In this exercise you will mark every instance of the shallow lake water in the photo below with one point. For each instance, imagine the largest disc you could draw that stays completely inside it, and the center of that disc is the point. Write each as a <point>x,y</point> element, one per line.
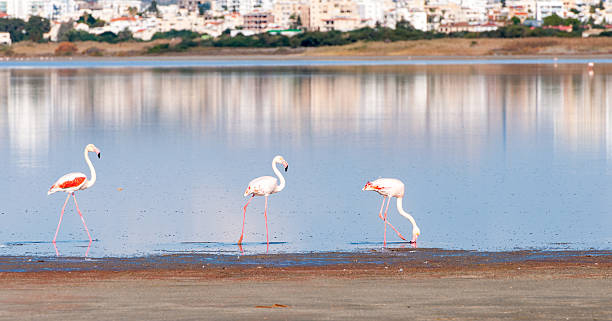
<point>495,156</point>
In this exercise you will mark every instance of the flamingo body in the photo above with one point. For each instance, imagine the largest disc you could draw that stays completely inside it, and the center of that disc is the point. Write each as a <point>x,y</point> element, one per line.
<point>387,187</point>
<point>262,186</point>
<point>391,187</point>
<point>69,183</point>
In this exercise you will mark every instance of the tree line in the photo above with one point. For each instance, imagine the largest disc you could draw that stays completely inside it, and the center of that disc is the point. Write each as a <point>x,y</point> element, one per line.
<point>35,27</point>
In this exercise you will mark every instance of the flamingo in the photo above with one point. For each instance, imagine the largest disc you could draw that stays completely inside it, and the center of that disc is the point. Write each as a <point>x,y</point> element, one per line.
<point>391,187</point>
<point>73,182</point>
<point>264,186</point>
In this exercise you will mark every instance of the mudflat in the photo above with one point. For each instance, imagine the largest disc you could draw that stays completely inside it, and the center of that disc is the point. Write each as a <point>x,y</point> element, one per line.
<point>399,284</point>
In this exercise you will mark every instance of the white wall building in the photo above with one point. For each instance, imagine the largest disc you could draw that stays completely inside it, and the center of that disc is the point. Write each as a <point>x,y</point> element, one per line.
<point>5,38</point>
<point>371,11</point>
<point>548,7</point>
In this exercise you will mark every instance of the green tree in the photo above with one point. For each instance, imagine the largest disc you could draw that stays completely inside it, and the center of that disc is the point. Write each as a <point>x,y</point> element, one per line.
<point>132,11</point>
<point>553,20</point>
<point>515,20</point>
<point>403,24</point>
<point>36,27</point>
<point>14,26</point>
<point>202,8</point>
<point>124,35</point>
<point>153,7</point>
<point>89,20</point>
<point>62,33</point>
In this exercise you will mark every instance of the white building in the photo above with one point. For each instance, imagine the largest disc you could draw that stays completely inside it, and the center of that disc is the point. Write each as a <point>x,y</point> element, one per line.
<point>56,9</point>
<point>5,38</point>
<point>371,11</point>
<point>549,7</point>
<point>23,9</point>
<point>121,6</point>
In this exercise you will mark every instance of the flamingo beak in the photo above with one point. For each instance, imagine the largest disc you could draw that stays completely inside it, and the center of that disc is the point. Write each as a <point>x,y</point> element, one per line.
<point>98,155</point>
<point>286,165</point>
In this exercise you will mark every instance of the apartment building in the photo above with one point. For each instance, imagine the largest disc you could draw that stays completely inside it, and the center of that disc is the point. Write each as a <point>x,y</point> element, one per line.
<point>286,13</point>
<point>325,14</point>
<point>257,21</point>
<point>550,7</point>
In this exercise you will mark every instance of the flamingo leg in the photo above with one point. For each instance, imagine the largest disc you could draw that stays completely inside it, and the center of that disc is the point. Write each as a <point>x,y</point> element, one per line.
<point>266,216</point>
<point>385,219</point>
<point>244,219</point>
<point>382,218</point>
<point>60,222</point>
<point>381,208</point>
<point>396,231</point>
<point>82,219</point>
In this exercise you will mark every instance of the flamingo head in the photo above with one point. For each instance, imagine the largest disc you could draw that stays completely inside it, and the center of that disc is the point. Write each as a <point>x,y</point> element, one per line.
<point>416,231</point>
<point>92,148</point>
<point>368,187</point>
<point>280,160</point>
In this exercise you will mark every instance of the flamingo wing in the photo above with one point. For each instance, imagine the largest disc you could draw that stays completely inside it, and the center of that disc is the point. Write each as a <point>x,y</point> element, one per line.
<point>388,186</point>
<point>72,181</point>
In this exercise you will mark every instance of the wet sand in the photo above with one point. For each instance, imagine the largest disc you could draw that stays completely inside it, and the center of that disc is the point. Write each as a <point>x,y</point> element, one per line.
<point>423,284</point>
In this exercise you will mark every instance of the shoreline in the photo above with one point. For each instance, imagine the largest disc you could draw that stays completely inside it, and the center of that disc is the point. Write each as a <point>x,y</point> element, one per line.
<point>427,49</point>
<point>163,58</point>
<point>426,284</point>
<point>418,261</point>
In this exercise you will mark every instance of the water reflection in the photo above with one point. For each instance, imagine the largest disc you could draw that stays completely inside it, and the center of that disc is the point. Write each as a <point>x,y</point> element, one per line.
<point>184,142</point>
<point>431,103</point>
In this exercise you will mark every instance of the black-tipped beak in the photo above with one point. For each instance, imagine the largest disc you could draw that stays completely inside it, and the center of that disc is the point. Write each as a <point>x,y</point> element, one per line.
<point>98,155</point>
<point>286,168</point>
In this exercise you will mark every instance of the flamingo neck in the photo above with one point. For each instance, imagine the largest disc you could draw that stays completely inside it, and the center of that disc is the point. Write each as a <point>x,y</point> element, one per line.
<point>280,178</point>
<point>400,209</point>
<point>92,179</point>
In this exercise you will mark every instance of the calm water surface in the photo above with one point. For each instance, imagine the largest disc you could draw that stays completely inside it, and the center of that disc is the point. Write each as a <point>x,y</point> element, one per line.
<point>494,156</point>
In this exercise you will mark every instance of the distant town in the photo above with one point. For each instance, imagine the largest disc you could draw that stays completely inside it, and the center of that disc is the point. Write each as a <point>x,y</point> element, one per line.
<point>74,20</point>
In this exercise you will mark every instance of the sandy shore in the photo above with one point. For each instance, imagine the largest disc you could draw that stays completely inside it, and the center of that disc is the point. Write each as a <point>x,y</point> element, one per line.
<point>402,284</point>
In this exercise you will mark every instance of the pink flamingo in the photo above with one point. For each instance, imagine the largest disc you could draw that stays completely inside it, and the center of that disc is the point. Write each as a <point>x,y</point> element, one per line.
<point>264,186</point>
<point>391,187</point>
<point>73,182</point>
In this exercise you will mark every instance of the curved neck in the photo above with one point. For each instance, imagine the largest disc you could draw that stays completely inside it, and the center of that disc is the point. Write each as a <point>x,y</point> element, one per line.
<point>280,178</point>
<point>92,179</point>
<point>400,209</point>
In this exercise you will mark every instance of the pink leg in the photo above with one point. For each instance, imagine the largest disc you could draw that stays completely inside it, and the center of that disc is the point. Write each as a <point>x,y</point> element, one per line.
<point>244,219</point>
<point>382,218</point>
<point>396,231</point>
<point>60,221</point>
<point>266,216</point>
<point>88,247</point>
<point>385,219</point>
<point>81,215</point>
<point>381,208</point>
